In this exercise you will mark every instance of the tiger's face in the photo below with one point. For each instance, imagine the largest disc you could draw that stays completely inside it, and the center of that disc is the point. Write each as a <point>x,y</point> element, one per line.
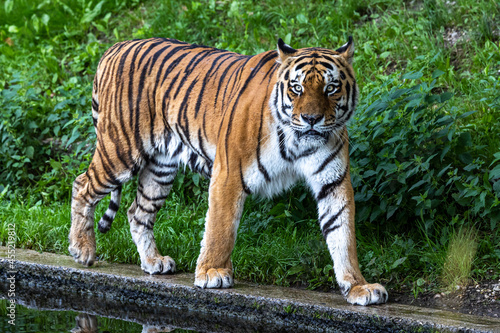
<point>316,92</point>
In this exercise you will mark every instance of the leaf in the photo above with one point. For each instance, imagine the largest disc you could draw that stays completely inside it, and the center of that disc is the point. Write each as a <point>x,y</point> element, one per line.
<point>466,114</point>
<point>278,209</point>
<point>391,210</point>
<point>30,151</point>
<point>45,20</point>
<point>288,38</point>
<point>443,171</point>
<point>55,165</point>
<point>385,54</point>
<point>295,269</point>
<point>196,179</point>
<point>445,96</point>
<point>437,73</point>
<point>378,132</point>
<point>416,185</point>
<point>302,18</point>
<point>495,173</point>
<point>398,262</point>
<point>89,16</point>
<point>412,76</point>
<point>8,5</point>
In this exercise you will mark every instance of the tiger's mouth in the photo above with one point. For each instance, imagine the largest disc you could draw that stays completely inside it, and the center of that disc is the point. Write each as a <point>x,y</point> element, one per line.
<point>311,133</point>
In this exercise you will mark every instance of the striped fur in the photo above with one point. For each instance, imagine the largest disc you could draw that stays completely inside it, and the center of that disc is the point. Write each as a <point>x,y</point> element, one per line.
<point>253,124</point>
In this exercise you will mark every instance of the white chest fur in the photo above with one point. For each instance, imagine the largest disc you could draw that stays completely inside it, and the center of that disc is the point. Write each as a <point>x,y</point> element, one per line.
<point>283,161</point>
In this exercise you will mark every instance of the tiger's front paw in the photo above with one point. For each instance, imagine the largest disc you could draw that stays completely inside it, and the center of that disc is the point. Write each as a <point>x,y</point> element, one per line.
<point>158,265</point>
<point>83,250</point>
<point>367,294</point>
<point>214,278</point>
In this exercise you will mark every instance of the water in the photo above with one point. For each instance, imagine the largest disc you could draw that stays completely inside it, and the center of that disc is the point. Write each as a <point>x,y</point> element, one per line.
<point>35,320</point>
<point>30,320</point>
<point>37,311</point>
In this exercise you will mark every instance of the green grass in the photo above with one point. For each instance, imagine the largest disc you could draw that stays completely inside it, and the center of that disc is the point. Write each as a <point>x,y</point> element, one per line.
<point>48,55</point>
<point>459,259</point>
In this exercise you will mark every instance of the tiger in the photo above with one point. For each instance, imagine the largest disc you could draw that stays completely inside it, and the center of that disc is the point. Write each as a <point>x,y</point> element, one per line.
<point>254,125</point>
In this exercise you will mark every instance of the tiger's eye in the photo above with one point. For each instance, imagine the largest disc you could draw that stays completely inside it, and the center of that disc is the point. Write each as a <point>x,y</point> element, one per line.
<point>331,88</point>
<point>297,88</point>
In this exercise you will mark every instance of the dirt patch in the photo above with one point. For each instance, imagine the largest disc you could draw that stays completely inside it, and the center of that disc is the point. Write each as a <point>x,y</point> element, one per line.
<point>482,299</point>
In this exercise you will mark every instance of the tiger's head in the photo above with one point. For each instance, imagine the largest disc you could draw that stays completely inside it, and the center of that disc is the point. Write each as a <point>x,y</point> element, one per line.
<point>316,92</point>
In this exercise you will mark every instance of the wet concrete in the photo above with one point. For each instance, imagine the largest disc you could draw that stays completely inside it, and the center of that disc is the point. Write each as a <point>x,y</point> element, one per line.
<point>124,291</point>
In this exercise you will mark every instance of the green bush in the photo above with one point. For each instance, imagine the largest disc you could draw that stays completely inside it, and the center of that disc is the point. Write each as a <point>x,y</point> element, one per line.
<point>414,161</point>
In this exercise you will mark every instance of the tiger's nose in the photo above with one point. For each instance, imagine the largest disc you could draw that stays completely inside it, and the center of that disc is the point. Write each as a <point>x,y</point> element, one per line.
<point>311,119</point>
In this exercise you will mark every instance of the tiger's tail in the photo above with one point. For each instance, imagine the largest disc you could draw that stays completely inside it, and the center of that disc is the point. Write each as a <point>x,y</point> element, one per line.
<point>107,219</point>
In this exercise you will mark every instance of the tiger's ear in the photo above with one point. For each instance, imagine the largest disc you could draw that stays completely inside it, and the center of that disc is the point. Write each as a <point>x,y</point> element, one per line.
<point>284,50</point>
<point>347,50</point>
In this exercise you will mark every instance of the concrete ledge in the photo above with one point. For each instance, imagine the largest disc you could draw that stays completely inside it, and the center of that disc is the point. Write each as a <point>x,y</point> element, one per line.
<point>46,280</point>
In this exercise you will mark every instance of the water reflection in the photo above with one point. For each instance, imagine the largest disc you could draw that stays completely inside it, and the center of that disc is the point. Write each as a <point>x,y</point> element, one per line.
<point>87,323</point>
<point>91,313</point>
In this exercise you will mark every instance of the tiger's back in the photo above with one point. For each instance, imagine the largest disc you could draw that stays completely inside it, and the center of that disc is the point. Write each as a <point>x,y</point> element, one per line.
<point>254,124</point>
<point>157,94</point>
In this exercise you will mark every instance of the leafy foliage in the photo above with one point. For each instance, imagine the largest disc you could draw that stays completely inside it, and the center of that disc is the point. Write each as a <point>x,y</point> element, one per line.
<point>414,160</point>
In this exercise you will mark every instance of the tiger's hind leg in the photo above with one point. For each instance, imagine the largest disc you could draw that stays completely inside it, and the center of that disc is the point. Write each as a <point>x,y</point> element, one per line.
<point>155,182</point>
<point>88,189</point>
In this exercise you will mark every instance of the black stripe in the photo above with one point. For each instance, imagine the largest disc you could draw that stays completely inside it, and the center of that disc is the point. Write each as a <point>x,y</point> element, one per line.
<point>113,133</point>
<point>329,226</point>
<point>276,95</point>
<point>221,79</point>
<point>138,98</point>
<point>173,64</point>
<point>144,209</point>
<point>95,105</point>
<point>237,74</point>
<point>164,183</point>
<point>330,59</point>
<point>205,81</point>
<point>146,53</point>
<point>119,97</point>
<point>109,174</point>
<point>299,66</point>
<point>160,197</point>
<point>202,148</point>
<point>243,183</point>
<point>161,173</point>
<point>107,218</point>
<point>177,150</point>
<point>281,139</point>
<point>329,188</point>
<point>354,95</point>
<point>146,225</point>
<point>163,165</point>
<point>330,158</point>
<point>262,169</point>
<point>327,65</point>
<point>190,66</point>
<point>113,206</point>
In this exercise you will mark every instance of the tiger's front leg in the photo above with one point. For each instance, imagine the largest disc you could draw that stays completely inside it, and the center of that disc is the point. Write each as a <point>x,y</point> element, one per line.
<point>214,268</point>
<point>336,218</point>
